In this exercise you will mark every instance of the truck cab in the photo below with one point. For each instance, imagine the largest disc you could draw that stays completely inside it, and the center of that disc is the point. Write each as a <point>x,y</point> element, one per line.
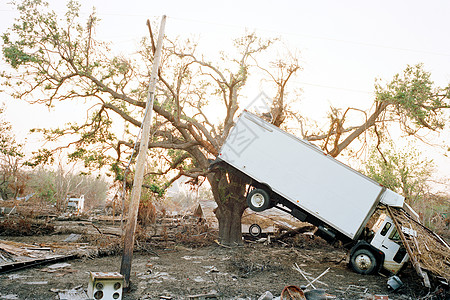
<point>383,249</point>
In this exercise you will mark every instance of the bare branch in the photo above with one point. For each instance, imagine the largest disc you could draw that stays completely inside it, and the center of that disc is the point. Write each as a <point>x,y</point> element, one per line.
<point>123,114</point>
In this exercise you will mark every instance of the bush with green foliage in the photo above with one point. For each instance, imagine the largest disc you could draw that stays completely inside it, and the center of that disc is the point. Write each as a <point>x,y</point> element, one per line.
<point>405,172</point>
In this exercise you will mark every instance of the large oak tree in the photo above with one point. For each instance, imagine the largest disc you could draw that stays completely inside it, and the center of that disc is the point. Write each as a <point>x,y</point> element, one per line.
<point>196,101</point>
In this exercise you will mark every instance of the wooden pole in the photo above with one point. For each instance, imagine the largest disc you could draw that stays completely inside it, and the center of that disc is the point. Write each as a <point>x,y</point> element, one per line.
<point>125,268</point>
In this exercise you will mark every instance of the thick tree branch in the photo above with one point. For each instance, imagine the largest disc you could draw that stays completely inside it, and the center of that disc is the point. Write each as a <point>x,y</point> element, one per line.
<point>122,114</point>
<point>164,145</point>
<point>380,107</point>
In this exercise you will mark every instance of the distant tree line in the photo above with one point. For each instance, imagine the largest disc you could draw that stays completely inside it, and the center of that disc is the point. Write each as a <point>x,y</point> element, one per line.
<point>45,184</point>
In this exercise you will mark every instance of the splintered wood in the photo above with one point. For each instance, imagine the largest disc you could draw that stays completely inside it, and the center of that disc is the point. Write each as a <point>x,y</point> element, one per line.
<point>14,255</point>
<point>428,251</point>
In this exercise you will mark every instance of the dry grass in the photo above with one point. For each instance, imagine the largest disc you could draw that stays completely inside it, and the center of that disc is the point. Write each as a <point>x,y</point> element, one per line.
<point>146,214</point>
<point>196,234</point>
<point>434,213</point>
<point>21,226</point>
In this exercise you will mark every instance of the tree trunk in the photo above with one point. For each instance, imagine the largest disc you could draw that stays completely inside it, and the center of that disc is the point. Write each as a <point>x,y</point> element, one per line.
<point>229,193</point>
<point>230,229</point>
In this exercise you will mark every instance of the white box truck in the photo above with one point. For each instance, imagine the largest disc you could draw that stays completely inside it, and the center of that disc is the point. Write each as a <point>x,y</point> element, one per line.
<point>293,175</point>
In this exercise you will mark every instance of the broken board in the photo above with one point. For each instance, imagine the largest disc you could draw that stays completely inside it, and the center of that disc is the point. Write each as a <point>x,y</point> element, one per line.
<point>428,252</point>
<point>16,256</point>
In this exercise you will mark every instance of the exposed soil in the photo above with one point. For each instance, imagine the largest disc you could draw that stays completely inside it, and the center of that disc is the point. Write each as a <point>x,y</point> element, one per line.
<point>244,272</point>
<point>177,261</point>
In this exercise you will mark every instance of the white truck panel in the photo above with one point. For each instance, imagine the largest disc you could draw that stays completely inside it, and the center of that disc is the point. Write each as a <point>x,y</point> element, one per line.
<point>392,199</point>
<point>301,173</point>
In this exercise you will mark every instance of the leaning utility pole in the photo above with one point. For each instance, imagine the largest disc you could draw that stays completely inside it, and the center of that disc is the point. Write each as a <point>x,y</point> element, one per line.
<point>125,268</point>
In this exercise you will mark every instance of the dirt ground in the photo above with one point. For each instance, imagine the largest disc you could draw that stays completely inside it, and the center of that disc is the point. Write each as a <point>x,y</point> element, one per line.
<point>180,271</point>
<point>178,259</point>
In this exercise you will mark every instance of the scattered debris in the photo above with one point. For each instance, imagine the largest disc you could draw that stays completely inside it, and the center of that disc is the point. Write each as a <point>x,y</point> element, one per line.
<point>315,279</point>
<point>310,256</point>
<point>20,255</point>
<point>17,276</point>
<point>210,296</point>
<point>60,269</point>
<point>375,297</point>
<point>211,269</point>
<point>72,238</point>
<point>76,293</point>
<point>307,278</point>
<point>8,267</point>
<point>266,296</point>
<point>318,294</point>
<point>356,289</point>
<point>394,283</point>
<point>156,277</point>
<point>297,268</point>
<point>222,245</point>
<point>21,226</point>
<point>293,232</point>
<point>188,257</point>
<point>36,282</point>
<point>428,252</point>
<point>9,296</point>
<point>59,266</point>
<point>292,292</point>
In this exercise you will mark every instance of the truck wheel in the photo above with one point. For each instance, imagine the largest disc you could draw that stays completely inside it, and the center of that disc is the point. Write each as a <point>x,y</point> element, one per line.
<point>363,261</point>
<point>258,200</point>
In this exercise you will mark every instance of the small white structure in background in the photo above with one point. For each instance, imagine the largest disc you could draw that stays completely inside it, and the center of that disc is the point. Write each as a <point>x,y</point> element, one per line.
<point>26,198</point>
<point>105,285</point>
<point>75,204</point>
<point>178,188</point>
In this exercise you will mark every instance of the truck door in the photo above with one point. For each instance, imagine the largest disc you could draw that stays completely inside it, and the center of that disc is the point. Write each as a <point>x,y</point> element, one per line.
<point>388,240</point>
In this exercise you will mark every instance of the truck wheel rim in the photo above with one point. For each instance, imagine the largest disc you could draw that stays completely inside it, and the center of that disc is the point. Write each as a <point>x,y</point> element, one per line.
<point>257,200</point>
<point>363,262</point>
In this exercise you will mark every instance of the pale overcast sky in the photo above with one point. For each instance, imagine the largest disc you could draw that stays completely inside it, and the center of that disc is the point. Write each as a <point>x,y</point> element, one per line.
<point>344,45</point>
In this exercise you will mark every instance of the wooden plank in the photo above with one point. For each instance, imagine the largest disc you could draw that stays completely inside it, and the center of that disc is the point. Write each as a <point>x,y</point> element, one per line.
<point>422,274</point>
<point>13,250</point>
<point>417,245</point>
<point>34,262</point>
<point>442,241</point>
<point>73,295</point>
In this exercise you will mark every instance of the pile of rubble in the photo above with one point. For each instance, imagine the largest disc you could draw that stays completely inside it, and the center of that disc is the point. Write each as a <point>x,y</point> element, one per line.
<point>428,252</point>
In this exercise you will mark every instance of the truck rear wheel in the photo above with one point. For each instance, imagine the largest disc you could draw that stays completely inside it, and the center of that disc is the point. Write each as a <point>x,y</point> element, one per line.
<point>363,261</point>
<point>258,200</point>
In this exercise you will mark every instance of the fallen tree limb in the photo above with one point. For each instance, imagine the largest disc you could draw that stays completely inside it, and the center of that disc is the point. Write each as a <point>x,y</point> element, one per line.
<point>294,232</point>
<point>222,245</point>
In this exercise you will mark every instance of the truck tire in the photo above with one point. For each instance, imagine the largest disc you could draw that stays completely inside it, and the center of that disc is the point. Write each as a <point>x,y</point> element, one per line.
<point>258,200</point>
<point>363,262</point>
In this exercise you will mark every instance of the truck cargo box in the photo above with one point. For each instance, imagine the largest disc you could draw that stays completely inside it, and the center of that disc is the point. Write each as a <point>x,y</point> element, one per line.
<point>302,174</point>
